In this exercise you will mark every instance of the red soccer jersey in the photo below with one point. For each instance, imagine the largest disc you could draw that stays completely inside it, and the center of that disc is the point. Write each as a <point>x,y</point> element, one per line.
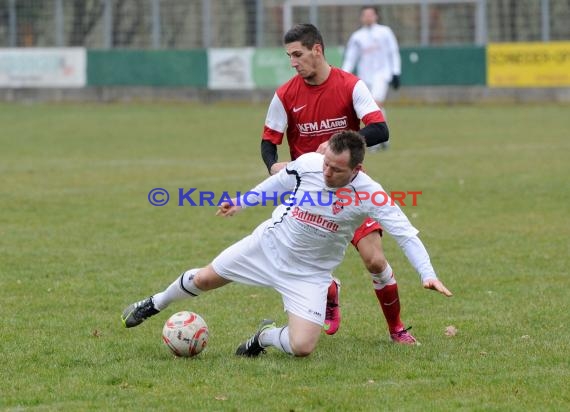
<point>312,114</point>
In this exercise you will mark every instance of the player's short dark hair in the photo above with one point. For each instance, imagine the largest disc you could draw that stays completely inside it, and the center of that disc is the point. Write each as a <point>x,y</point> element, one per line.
<point>370,7</point>
<point>305,33</point>
<point>351,141</point>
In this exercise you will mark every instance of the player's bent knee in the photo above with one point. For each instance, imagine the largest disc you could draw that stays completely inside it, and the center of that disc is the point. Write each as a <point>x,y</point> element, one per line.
<point>208,279</point>
<point>303,349</point>
<point>377,265</point>
<point>302,354</point>
<point>375,261</point>
<point>303,335</point>
<point>370,250</point>
<point>304,344</point>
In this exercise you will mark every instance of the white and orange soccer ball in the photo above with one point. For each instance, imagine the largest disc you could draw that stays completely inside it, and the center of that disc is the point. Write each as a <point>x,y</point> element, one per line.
<point>185,334</point>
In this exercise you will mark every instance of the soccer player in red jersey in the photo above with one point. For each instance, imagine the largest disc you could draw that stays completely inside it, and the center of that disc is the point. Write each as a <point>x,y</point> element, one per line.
<point>316,103</point>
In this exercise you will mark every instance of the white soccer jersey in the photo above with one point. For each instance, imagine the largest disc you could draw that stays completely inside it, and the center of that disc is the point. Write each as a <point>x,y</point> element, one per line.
<point>373,50</point>
<point>310,236</point>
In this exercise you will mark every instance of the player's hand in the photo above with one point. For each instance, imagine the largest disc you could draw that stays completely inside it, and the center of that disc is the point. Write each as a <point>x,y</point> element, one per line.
<point>436,284</point>
<point>395,83</point>
<point>276,167</point>
<point>227,209</point>
<point>323,147</point>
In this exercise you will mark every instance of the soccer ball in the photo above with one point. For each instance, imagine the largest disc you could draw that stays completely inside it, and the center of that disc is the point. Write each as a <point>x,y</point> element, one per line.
<point>185,334</point>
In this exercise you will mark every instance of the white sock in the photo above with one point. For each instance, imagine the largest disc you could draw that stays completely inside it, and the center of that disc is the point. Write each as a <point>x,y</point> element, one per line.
<point>383,279</point>
<point>182,288</point>
<point>277,337</point>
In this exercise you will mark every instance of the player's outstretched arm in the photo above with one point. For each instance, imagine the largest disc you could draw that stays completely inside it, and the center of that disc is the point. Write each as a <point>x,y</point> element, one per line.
<point>436,284</point>
<point>227,209</point>
<point>275,185</point>
<point>413,248</point>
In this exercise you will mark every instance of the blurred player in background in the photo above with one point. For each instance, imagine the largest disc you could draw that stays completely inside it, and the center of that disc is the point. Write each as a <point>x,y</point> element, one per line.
<point>316,103</point>
<point>373,51</point>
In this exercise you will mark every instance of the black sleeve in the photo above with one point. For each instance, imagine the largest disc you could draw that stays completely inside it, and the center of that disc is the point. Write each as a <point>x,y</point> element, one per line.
<point>375,133</point>
<point>268,153</point>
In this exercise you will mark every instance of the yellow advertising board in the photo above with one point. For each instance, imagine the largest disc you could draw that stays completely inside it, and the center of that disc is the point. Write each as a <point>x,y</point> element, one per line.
<point>528,64</point>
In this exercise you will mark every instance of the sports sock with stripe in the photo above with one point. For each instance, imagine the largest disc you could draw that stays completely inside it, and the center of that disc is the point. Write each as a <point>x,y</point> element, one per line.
<point>181,288</point>
<point>277,337</point>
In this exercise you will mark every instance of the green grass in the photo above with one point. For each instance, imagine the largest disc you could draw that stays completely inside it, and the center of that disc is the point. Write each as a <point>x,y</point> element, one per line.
<point>79,241</point>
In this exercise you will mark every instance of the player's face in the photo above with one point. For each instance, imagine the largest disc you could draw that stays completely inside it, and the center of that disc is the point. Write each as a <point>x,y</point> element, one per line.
<point>304,60</point>
<point>368,17</point>
<point>336,169</point>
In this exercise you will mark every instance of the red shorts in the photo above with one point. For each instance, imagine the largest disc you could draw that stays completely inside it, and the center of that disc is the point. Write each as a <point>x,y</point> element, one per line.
<point>368,226</point>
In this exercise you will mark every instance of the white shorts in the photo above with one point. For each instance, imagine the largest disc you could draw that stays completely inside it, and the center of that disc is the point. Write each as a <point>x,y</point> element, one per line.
<point>246,262</point>
<point>379,88</point>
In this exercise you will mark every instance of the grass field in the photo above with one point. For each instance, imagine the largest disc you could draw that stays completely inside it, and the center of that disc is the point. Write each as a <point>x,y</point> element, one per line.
<point>79,241</point>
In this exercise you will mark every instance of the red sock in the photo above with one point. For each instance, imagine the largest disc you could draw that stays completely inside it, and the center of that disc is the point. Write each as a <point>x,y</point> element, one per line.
<point>390,304</point>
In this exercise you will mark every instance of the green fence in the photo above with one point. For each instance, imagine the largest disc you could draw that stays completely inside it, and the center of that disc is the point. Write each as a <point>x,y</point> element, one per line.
<point>443,66</point>
<point>428,66</point>
<point>147,68</point>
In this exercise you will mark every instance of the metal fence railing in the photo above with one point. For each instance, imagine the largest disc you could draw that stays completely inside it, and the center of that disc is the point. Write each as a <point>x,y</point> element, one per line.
<point>188,24</point>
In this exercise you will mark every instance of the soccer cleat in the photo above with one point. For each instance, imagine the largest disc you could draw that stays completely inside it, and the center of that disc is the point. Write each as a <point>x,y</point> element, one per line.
<point>252,347</point>
<point>332,315</point>
<point>404,337</point>
<point>136,313</point>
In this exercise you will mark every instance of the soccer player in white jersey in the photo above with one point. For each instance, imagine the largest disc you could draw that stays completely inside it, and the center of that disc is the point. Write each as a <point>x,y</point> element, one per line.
<point>373,51</point>
<point>296,250</point>
<point>313,105</point>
